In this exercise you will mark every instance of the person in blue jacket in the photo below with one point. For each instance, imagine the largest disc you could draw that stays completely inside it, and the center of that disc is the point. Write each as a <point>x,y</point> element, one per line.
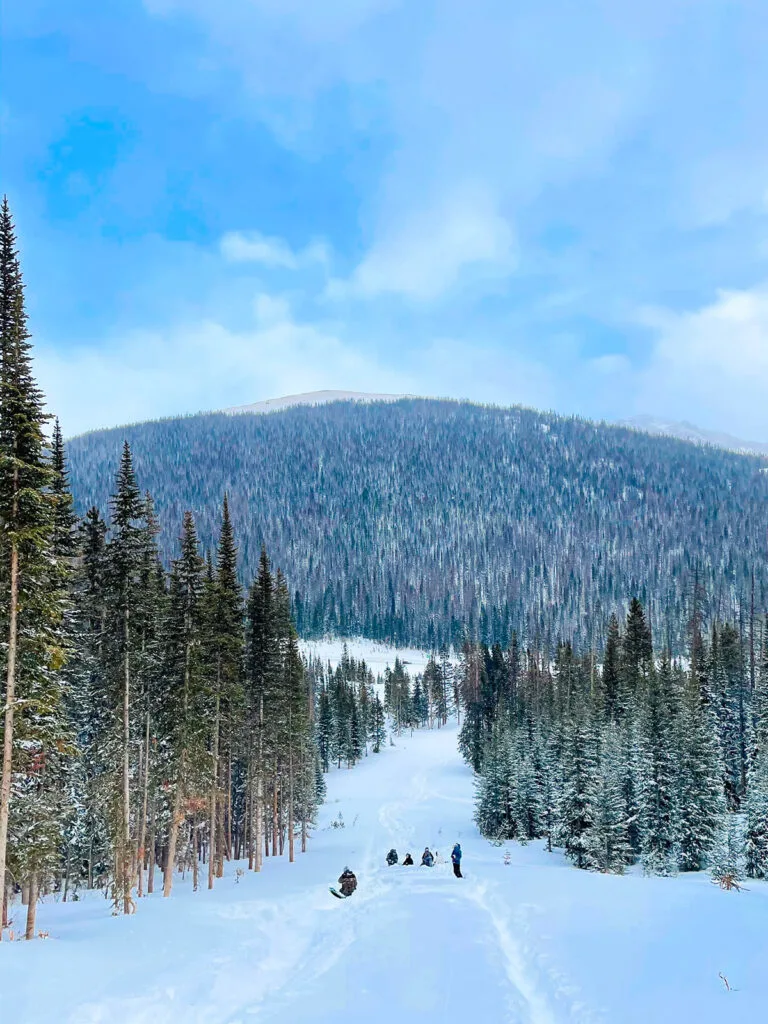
<point>456,861</point>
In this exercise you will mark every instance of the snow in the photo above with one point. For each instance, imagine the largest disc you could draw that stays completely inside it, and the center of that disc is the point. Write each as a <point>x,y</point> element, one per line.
<point>311,398</point>
<point>377,656</point>
<point>685,431</point>
<point>535,942</point>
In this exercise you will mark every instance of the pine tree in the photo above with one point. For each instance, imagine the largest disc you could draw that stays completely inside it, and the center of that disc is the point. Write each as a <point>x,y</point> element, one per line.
<point>659,806</point>
<point>91,710</point>
<point>124,555</point>
<point>225,653</point>
<point>727,864</point>
<point>378,734</point>
<point>33,602</point>
<point>577,813</point>
<point>183,699</point>
<point>611,672</point>
<point>702,804</point>
<point>756,859</point>
<point>497,807</point>
<point>262,688</point>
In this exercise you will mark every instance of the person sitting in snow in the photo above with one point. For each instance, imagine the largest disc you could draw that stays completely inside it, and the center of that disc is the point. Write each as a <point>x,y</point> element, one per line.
<point>347,882</point>
<point>427,860</point>
<point>456,861</point>
<point>392,857</point>
<point>408,862</point>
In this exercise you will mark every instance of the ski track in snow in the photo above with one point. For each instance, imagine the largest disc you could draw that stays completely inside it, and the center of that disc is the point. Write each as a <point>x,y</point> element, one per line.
<point>536,942</point>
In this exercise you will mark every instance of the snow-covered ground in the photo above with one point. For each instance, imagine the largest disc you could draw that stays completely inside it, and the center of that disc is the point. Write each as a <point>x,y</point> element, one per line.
<point>377,656</point>
<point>532,942</point>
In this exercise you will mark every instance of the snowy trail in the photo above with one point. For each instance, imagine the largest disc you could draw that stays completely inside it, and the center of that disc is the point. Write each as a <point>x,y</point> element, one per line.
<point>535,942</point>
<point>425,939</point>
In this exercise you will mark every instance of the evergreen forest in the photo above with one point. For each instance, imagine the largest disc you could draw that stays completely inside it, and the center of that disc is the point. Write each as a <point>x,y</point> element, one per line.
<point>420,522</point>
<point>606,590</point>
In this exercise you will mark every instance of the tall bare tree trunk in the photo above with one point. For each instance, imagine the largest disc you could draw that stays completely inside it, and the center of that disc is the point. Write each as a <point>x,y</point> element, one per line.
<point>274,814</point>
<point>290,805</point>
<point>31,907</point>
<point>170,857</point>
<point>227,849</point>
<point>195,854</point>
<point>221,828</point>
<point>260,791</point>
<point>178,797</point>
<point>214,786</point>
<point>10,696</point>
<point>248,823</point>
<point>140,853</point>
<point>126,838</point>
<point>151,868</point>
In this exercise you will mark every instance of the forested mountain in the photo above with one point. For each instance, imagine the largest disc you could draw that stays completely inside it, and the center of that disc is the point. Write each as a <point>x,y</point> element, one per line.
<point>422,520</point>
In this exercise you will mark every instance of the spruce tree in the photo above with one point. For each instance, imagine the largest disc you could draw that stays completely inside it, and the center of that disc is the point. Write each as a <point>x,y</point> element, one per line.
<point>702,803</point>
<point>33,603</point>
<point>611,671</point>
<point>658,796</point>
<point>184,696</point>
<point>609,847</point>
<point>225,652</point>
<point>577,812</point>
<point>756,848</point>
<point>124,556</point>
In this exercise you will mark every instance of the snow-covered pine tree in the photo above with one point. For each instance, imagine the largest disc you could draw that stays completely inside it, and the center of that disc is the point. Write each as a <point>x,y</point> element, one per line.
<point>149,624</point>
<point>33,604</point>
<point>727,864</point>
<point>611,670</point>
<point>659,779</point>
<point>378,733</point>
<point>183,700</point>
<point>122,647</point>
<point>224,656</point>
<point>262,677</point>
<point>577,812</point>
<point>609,846</point>
<point>496,809</point>
<point>701,798</point>
<point>756,845</point>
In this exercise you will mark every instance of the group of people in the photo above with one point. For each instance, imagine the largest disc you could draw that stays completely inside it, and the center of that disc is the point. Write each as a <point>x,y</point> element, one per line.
<point>429,859</point>
<point>348,881</point>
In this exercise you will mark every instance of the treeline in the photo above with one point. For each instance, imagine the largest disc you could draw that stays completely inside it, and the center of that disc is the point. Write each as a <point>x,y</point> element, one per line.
<point>352,717</point>
<point>630,757</point>
<point>152,720</point>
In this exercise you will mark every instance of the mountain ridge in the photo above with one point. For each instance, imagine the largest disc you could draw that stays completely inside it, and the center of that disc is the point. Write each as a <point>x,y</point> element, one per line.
<point>414,520</point>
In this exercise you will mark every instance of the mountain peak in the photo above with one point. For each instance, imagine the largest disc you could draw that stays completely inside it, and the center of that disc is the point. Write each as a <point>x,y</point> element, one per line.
<point>311,398</point>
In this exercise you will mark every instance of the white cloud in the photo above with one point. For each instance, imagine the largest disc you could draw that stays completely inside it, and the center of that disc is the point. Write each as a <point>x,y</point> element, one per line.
<point>200,366</point>
<point>426,254</point>
<point>710,366</point>
<point>252,247</point>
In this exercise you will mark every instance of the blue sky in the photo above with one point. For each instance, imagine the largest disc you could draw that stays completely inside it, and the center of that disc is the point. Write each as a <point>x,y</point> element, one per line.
<point>559,204</point>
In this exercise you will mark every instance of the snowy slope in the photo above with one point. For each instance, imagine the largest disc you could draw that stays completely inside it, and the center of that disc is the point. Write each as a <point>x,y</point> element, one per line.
<point>535,942</point>
<point>690,432</point>
<point>311,398</point>
<point>377,656</point>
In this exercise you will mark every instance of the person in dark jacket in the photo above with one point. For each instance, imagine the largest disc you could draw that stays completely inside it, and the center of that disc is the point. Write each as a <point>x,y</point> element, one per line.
<point>347,882</point>
<point>408,862</point>
<point>427,860</point>
<point>392,857</point>
<point>456,861</point>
